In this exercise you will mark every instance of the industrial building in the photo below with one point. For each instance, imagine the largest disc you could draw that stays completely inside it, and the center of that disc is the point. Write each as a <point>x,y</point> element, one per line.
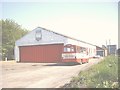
<point>112,49</point>
<point>101,51</point>
<point>43,45</point>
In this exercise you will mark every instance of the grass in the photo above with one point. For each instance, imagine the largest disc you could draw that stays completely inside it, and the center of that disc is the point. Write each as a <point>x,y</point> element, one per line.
<point>102,75</point>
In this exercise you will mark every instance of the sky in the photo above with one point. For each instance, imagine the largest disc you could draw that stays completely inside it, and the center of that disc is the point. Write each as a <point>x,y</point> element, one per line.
<point>93,22</point>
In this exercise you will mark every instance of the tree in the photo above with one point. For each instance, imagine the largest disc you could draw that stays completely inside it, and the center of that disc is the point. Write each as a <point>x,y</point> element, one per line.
<point>11,32</point>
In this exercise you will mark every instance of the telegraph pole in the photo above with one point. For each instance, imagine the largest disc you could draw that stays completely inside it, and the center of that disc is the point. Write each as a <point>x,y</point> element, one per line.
<point>109,46</point>
<point>106,43</point>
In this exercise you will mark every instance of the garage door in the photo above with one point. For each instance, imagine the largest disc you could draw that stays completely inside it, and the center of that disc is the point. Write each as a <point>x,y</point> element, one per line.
<point>41,53</point>
<point>101,53</point>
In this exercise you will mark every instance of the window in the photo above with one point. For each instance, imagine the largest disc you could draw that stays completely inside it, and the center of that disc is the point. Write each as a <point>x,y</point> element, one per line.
<point>83,50</point>
<point>72,49</point>
<point>65,49</point>
<point>68,49</point>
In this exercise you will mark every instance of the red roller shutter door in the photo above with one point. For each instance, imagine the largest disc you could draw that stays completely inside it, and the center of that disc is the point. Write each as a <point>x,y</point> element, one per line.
<point>41,53</point>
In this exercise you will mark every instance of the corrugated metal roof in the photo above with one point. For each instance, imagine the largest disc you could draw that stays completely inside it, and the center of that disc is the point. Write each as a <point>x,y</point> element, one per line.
<point>66,36</point>
<point>100,48</point>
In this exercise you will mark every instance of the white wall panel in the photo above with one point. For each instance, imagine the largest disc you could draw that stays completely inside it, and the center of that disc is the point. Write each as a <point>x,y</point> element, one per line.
<point>47,38</point>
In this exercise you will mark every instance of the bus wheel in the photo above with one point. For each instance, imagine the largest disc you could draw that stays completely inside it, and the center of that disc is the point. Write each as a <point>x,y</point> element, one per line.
<point>80,62</point>
<point>87,61</point>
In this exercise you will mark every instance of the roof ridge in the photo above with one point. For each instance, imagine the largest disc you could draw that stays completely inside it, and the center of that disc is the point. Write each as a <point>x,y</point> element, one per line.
<point>66,36</point>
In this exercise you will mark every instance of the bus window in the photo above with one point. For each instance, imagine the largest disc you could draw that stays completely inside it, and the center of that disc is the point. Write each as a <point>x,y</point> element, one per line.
<point>72,49</point>
<point>66,49</point>
<point>83,50</point>
<point>69,49</point>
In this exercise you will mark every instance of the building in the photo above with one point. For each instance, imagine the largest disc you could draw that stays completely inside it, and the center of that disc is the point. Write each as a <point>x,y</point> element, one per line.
<point>101,51</point>
<point>112,49</point>
<point>118,52</point>
<point>42,45</point>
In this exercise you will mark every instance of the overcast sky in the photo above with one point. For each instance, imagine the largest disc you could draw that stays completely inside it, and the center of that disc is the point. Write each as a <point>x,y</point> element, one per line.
<point>93,22</point>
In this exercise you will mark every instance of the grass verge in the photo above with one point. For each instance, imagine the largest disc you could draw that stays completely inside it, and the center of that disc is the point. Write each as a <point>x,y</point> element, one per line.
<point>102,75</point>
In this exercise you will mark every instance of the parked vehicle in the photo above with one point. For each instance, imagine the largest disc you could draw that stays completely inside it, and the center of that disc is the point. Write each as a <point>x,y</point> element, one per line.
<point>75,54</point>
<point>97,56</point>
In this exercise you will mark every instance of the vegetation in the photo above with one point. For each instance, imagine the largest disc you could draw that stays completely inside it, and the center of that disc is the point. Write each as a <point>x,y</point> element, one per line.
<point>10,32</point>
<point>102,75</point>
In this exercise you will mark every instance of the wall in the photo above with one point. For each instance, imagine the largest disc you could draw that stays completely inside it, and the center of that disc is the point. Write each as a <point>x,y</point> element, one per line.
<point>29,39</point>
<point>47,38</point>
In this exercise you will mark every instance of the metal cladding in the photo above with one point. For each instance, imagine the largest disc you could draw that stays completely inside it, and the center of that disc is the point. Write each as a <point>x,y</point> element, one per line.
<point>41,53</point>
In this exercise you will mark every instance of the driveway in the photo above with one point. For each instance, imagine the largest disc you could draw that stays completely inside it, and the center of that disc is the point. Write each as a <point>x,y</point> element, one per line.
<point>40,75</point>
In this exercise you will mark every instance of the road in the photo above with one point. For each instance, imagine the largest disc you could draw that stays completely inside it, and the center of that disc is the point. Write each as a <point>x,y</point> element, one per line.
<point>40,75</point>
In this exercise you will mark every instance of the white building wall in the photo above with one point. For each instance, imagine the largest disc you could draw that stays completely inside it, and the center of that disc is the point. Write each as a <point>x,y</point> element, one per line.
<point>16,50</point>
<point>47,38</point>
